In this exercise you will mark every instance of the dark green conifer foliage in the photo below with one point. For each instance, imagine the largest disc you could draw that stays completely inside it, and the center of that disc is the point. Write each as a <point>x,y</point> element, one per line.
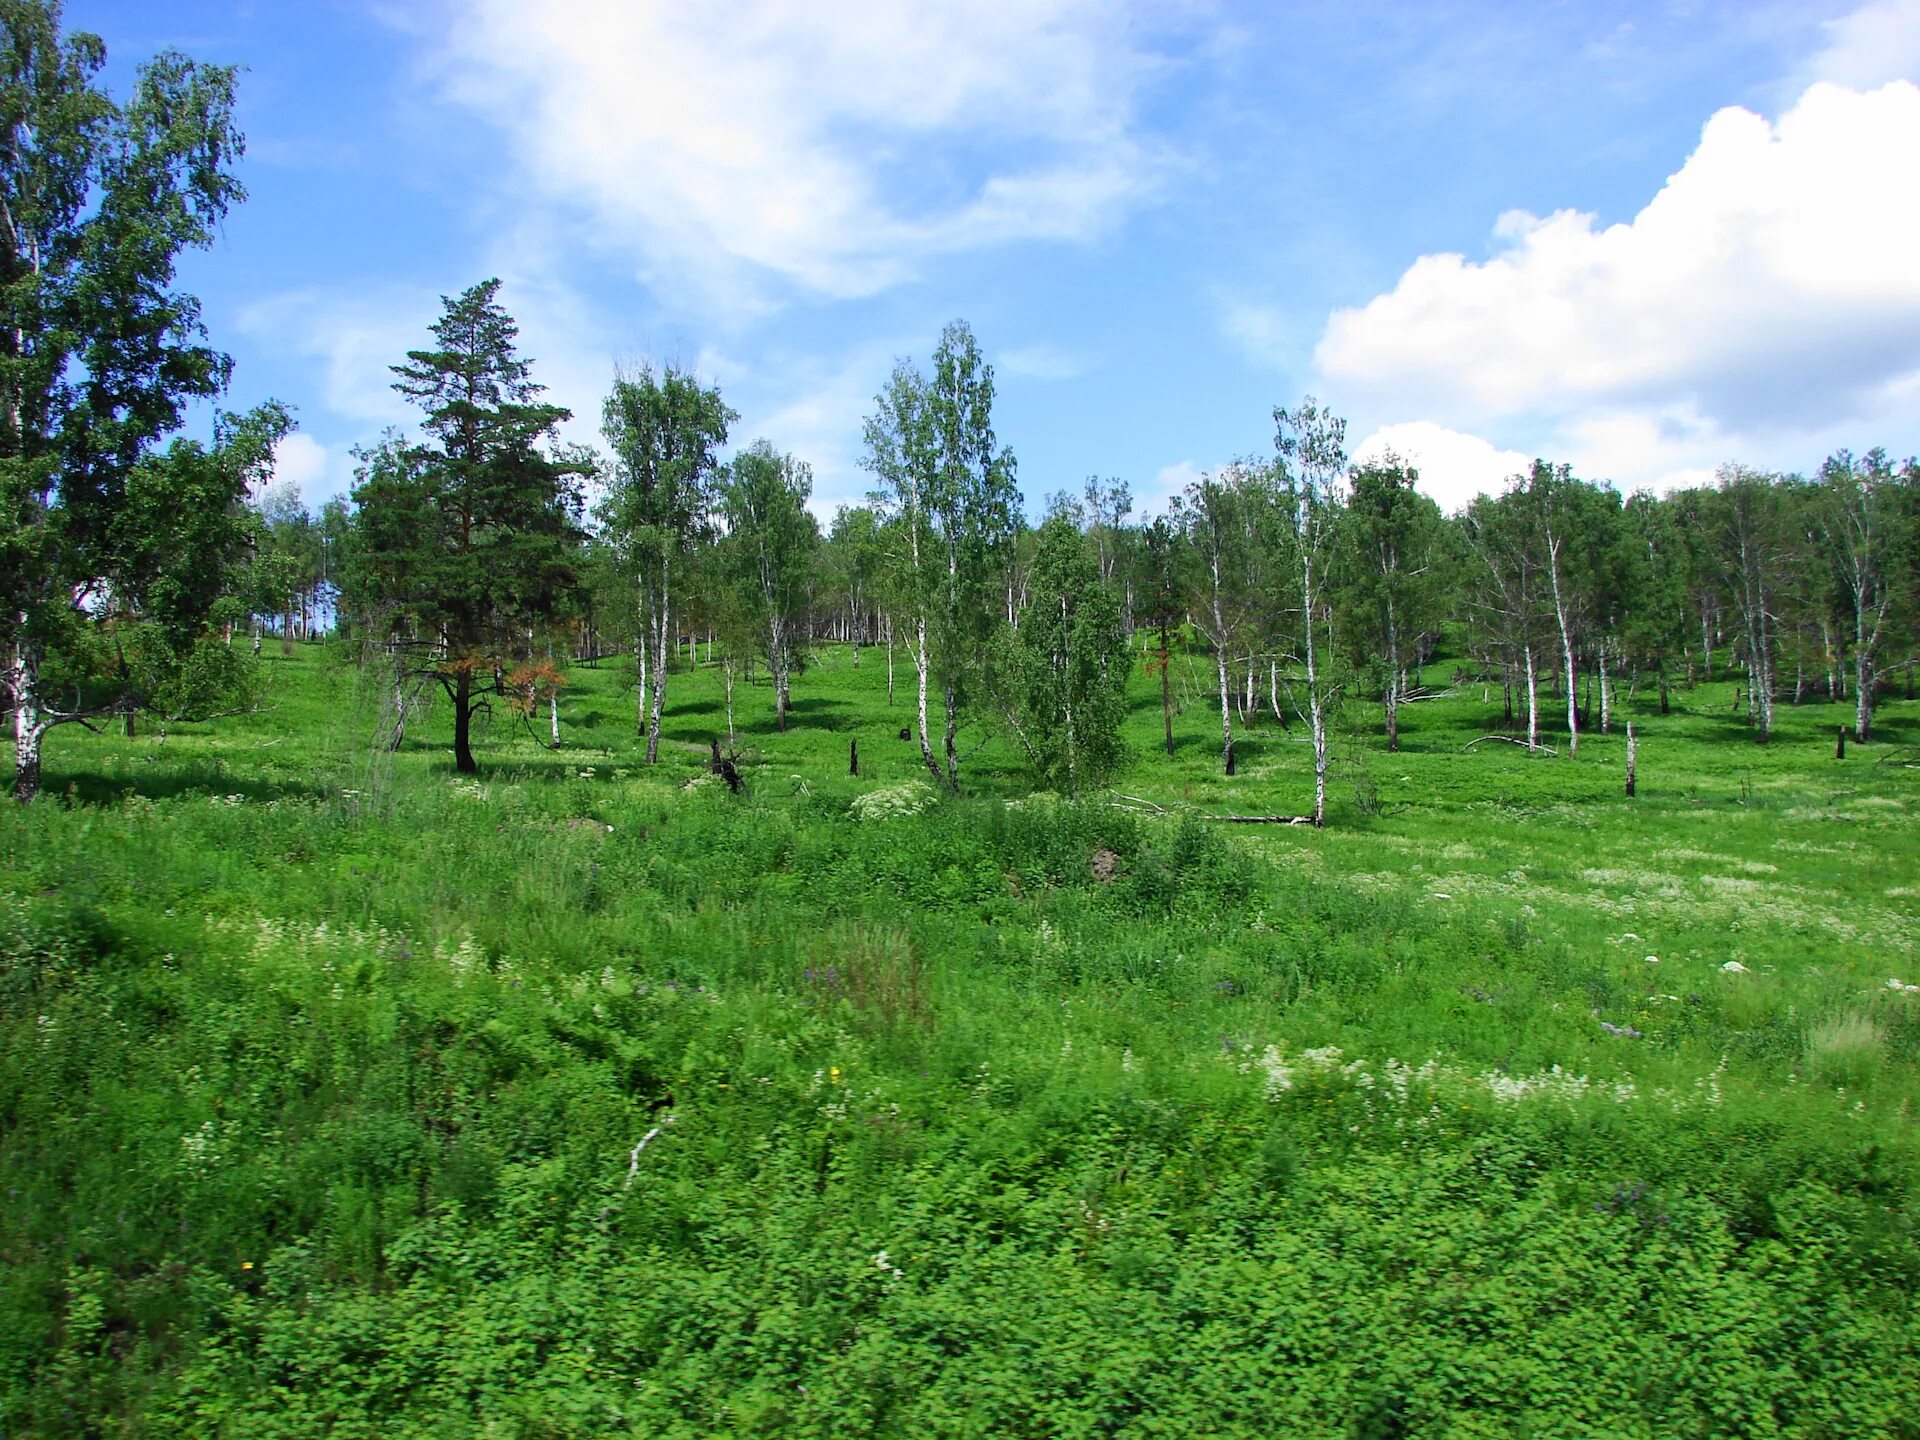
<point>473,536</point>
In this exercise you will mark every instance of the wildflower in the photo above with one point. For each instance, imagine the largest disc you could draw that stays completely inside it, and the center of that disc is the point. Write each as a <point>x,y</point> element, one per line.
<point>833,1074</point>
<point>1279,1073</point>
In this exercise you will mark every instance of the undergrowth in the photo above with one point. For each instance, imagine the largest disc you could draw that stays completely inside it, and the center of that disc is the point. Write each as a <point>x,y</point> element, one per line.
<point>346,1098</point>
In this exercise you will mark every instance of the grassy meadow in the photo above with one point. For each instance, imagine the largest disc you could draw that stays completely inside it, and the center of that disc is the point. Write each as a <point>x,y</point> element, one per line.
<point>342,1096</point>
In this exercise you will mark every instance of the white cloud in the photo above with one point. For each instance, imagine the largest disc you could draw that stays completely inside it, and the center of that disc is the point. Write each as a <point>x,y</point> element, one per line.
<point>1157,495</point>
<point>1769,286</point>
<point>817,411</point>
<point>1454,467</point>
<point>833,146</point>
<point>1042,362</point>
<point>308,466</point>
<point>1261,331</point>
<point>1872,45</point>
<point>354,337</point>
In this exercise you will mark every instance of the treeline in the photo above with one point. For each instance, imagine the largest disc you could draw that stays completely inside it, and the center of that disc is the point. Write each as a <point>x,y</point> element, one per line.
<point>1306,580</point>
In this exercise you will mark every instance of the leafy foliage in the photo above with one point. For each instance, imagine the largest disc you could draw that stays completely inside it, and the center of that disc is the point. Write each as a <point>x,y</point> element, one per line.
<point>100,354</point>
<point>1061,676</point>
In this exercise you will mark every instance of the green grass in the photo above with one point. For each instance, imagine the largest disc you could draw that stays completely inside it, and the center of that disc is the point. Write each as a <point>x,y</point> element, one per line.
<point>323,1076</point>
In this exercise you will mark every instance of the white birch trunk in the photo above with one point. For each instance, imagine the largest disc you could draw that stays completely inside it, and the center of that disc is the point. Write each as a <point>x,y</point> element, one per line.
<point>920,670</point>
<point>662,618</point>
<point>29,723</point>
<point>1533,701</point>
<point>726,672</point>
<point>1226,709</point>
<point>1566,648</point>
<point>1606,692</point>
<point>1316,711</point>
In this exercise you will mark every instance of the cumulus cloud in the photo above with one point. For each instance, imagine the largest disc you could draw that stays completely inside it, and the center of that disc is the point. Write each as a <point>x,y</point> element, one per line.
<point>314,472</point>
<point>1870,46</point>
<point>833,146</point>
<point>1770,284</point>
<point>1454,467</point>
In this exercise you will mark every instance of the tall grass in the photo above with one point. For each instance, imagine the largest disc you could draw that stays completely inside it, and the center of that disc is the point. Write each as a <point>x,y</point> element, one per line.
<point>342,1096</point>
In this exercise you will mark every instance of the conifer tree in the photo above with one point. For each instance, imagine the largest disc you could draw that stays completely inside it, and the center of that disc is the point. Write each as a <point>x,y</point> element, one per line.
<point>473,535</point>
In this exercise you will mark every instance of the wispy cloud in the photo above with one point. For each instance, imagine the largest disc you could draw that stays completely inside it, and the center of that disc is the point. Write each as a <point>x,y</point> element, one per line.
<point>816,409</point>
<point>829,148</point>
<point>1042,362</point>
<point>352,336</point>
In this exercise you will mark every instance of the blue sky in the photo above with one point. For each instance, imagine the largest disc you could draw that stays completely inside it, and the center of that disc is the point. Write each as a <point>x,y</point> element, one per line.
<point>1644,239</point>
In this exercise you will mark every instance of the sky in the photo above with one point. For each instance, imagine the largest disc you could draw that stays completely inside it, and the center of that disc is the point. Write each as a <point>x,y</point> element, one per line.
<point>1644,240</point>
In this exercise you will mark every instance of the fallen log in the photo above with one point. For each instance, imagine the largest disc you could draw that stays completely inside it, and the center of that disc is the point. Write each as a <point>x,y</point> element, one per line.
<point>1262,819</point>
<point>1511,740</point>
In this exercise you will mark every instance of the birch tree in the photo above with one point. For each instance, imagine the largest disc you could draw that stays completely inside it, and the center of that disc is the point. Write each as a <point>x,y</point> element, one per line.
<point>1311,443</point>
<point>975,508</point>
<point>1553,502</point>
<point>771,544</point>
<point>100,351</point>
<point>1392,576</point>
<point>1059,677</point>
<point>1859,519</point>
<point>1753,547</point>
<point>1654,585</point>
<point>900,455</point>
<point>949,484</point>
<point>1220,520</point>
<point>1505,587</point>
<point>664,432</point>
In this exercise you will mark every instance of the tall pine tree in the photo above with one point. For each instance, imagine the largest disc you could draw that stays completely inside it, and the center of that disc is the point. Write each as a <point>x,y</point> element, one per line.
<point>472,536</point>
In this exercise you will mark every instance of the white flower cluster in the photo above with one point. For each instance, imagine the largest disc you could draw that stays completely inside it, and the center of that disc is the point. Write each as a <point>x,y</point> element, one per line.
<point>200,1148</point>
<point>1397,1080</point>
<point>1273,1063</point>
<point>908,799</point>
<point>463,959</point>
